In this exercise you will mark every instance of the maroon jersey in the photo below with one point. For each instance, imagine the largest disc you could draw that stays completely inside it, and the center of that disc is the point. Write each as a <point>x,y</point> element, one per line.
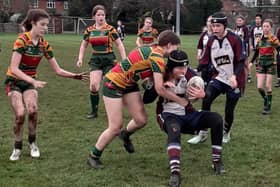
<point>227,57</point>
<point>203,39</point>
<point>243,33</point>
<point>256,32</point>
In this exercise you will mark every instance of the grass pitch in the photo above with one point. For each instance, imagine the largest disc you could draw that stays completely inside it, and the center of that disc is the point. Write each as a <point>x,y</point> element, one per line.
<point>252,158</point>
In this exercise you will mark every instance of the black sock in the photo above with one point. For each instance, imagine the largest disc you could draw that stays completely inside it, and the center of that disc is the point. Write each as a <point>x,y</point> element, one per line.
<point>18,145</point>
<point>31,138</point>
<point>94,101</point>
<point>126,133</point>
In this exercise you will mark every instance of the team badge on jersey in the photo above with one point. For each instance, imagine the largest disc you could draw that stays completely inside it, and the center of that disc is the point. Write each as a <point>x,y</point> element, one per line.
<point>222,60</point>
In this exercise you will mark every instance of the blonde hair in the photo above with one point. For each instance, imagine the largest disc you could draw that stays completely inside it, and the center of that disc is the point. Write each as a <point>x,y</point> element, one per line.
<point>149,18</point>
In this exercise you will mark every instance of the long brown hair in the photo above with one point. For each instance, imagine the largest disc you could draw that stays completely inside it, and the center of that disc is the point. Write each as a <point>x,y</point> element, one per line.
<point>33,15</point>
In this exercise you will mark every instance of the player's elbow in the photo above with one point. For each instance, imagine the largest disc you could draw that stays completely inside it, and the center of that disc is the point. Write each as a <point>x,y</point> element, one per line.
<point>14,70</point>
<point>160,90</point>
<point>58,71</point>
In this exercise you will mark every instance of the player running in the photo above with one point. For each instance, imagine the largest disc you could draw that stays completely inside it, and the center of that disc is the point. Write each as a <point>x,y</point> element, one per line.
<point>224,51</point>
<point>101,37</point>
<point>256,32</point>
<point>147,35</point>
<point>266,67</point>
<point>120,89</point>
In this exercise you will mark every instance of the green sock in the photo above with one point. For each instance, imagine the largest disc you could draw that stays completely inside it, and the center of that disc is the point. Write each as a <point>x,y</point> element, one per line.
<point>95,152</point>
<point>269,98</point>
<point>94,101</point>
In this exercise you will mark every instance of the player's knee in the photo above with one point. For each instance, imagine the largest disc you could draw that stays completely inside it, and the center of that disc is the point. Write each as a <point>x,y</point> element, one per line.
<point>115,131</point>
<point>173,130</point>
<point>19,119</point>
<point>268,88</point>
<point>141,121</point>
<point>94,88</point>
<point>33,114</point>
<point>32,110</point>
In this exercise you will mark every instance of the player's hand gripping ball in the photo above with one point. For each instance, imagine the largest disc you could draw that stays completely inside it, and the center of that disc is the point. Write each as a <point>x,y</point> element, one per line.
<point>195,89</point>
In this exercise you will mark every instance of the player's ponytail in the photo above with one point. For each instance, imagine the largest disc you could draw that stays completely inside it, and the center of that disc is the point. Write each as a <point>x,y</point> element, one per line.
<point>33,15</point>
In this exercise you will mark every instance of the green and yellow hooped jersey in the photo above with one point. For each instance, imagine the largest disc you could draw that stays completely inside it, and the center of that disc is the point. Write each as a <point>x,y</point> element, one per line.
<point>148,37</point>
<point>102,39</point>
<point>140,63</point>
<point>31,54</point>
<point>266,47</point>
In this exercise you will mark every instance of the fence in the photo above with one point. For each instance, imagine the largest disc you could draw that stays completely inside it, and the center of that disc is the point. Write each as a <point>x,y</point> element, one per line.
<point>9,27</point>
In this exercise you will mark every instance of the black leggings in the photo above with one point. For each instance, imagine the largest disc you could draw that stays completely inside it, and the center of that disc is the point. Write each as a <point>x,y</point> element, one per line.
<point>211,94</point>
<point>174,127</point>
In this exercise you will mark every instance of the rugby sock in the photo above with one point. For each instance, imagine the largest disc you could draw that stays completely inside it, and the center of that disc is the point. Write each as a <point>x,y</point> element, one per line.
<point>262,93</point>
<point>126,133</point>
<point>31,138</point>
<point>18,144</point>
<point>264,96</point>
<point>174,150</point>
<point>216,153</point>
<point>269,98</point>
<point>94,101</point>
<point>95,153</point>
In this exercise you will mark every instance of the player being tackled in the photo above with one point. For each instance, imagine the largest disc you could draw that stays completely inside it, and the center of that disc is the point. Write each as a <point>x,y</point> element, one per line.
<point>176,119</point>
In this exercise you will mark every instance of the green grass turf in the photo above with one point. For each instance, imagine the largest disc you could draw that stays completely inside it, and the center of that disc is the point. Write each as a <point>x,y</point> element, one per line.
<point>252,158</point>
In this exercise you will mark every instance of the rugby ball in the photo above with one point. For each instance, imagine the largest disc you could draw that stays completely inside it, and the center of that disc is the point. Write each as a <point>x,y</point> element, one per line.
<point>195,81</point>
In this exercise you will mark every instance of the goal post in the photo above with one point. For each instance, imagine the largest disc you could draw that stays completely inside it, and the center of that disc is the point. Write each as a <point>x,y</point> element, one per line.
<point>74,25</point>
<point>83,23</point>
<point>69,24</point>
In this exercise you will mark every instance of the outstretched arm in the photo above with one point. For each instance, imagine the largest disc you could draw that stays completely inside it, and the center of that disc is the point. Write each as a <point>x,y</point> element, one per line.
<point>63,73</point>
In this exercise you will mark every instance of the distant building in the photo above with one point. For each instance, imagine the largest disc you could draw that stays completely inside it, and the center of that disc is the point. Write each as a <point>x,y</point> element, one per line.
<point>54,7</point>
<point>249,8</point>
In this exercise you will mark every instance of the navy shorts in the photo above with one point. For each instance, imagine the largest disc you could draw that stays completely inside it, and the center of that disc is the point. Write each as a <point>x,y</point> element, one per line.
<point>189,123</point>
